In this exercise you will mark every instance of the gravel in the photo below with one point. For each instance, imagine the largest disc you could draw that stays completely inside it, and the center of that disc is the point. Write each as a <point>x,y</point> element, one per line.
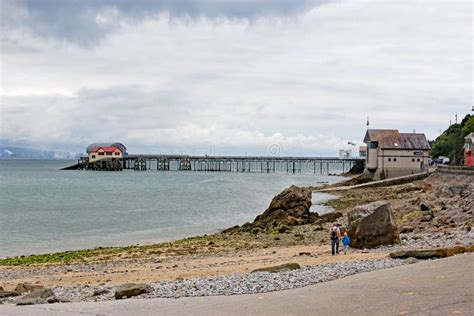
<point>236,284</point>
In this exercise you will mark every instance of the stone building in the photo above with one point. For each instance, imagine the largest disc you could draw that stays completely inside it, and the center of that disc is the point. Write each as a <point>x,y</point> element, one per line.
<point>392,154</point>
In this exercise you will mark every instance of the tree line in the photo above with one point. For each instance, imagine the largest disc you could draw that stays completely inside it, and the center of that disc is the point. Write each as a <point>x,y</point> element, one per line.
<point>451,142</point>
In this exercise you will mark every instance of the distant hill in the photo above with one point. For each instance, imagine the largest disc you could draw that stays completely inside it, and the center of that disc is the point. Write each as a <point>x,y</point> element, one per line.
<point>451,142</point>
<point>14,152</point>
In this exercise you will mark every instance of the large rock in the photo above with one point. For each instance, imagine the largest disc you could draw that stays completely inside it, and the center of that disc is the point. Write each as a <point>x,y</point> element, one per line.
<point>131,289</point>
<point>4,294</point>
<point>290,207</point>
<point>41,293</point>
<point>31,301</point>
<point>38,296</point>
<point>431,253</point>
<point>372,225</point>
<point>330,217</point>
<point>282,267</point>
<point>26,288</point>
<point>419,254</point>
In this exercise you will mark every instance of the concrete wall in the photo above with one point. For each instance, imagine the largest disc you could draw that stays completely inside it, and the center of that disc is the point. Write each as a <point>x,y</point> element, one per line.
<point>371,160</point>
<point>397,162</point>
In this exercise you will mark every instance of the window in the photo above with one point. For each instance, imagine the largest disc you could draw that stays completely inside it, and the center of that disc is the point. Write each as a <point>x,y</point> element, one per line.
<point>93,156</point>
<point>394,159</point>
<point>389,159</point>
<point>418,159</point>
<point>109,154</point>
<point>101,153</point>
<point>117,154</point>
<point>373,145</point>
<point>413,159</point>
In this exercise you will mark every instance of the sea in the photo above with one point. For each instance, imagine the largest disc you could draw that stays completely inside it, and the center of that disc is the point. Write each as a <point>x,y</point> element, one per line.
<point>44,209</point>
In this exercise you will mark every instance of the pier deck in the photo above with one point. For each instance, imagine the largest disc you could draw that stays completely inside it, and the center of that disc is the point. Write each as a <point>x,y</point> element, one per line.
<point>262,164</point>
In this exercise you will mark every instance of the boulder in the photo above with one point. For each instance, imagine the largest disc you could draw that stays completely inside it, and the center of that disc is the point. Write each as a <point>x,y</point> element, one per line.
<point>41,293</point>
<point>431,253</point>
<point>289,208</point>
<point>419,254</point>
<point>406,229</point>
<point>38,296</point>
<point>52,300</point>
<point>279,268</point>
<point>424,207</point>
<point>372,225</point>
<point>131,289</point>
<point>4,294</point>
<point>31,301</point>
<point>98,292</point>
<point>318,227</point>
<point>410,260</point>
<point>329,217</point>
<point>26,288</point>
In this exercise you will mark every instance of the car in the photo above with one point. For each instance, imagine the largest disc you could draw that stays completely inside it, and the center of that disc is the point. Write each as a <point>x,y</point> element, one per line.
<point>442,160</point>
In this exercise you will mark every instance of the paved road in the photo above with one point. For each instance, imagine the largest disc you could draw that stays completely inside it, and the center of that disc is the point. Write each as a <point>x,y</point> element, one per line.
<point>441,287</point>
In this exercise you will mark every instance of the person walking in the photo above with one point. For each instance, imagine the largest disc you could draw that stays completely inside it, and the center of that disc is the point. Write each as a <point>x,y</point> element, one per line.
<point>334,236</point>
<point>345,242</point>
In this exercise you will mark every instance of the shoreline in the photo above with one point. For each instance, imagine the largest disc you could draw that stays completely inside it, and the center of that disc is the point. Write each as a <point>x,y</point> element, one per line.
<point>233,255</point>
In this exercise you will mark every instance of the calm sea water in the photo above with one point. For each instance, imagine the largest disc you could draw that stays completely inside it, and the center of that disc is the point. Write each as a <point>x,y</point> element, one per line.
<point>44,209</point>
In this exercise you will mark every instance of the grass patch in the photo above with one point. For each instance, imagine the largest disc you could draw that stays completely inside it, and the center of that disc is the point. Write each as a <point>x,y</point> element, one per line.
<point>408,217</point>
<point>347,202</point>
<point>108,253</point>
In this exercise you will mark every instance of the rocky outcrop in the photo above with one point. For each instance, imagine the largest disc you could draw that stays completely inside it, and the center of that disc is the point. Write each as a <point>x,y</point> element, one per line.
<point>289,208</point>
<point>279,268</point>
<point>431,253</point>
<point>131,289</point>
<point>372,225</point>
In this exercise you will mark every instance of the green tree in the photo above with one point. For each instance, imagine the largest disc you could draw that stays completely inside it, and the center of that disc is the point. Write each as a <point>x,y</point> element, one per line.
<point>468,125</point>
<point>451,142</point>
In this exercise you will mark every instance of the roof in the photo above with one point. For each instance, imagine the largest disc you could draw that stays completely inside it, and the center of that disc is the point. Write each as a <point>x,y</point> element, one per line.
<point>392,139</point>
<point>120,146</point>
<point>106,149</point>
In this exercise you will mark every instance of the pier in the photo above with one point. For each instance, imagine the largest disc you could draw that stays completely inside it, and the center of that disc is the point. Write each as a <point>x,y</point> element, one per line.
<point>255,164</point>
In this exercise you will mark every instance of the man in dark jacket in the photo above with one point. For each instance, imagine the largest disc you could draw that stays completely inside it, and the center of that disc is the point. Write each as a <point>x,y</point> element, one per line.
<point>335,236</point>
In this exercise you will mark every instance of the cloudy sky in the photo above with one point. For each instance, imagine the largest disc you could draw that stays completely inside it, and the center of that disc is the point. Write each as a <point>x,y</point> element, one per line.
<point>230,77</point>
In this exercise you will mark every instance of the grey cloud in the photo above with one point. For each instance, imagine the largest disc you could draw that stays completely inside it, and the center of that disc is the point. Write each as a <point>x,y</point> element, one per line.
<point>77,20</point>
<point>202,85</point>
<point>91,115</point>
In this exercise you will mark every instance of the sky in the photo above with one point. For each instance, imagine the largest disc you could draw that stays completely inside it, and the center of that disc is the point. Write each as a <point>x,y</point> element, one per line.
<point>282,77</point>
